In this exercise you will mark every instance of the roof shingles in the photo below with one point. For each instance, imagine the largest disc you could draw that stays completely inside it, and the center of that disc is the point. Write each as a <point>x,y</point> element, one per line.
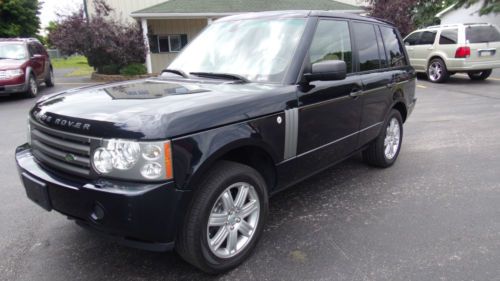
<point>239,6</point>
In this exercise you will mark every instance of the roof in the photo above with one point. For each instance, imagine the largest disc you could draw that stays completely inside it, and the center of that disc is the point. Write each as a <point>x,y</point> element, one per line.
<point>446,10</point>
<point>18,40</point>
<point>301,14</point>
<point>231,7</point>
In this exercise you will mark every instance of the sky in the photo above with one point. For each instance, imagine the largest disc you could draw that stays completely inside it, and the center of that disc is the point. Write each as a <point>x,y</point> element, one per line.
<point>50,9</point>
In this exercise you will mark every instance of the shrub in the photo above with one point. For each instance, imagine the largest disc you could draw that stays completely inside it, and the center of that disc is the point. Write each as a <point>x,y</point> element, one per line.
<point>133,69</point>
<point>103,40</point>
<point>109,69</point>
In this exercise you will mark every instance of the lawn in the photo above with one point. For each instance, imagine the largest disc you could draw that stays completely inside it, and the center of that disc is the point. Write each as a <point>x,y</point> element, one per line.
<point>78,63</point>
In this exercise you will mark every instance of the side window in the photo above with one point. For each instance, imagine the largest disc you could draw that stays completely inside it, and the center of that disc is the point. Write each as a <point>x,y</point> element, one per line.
<point>332,42</point>
<point>413,38</point>
<point>448,36</point>
<point>367,46</point>
<point>427,38</point>
<point>32,50</point>
<point>393,48</point>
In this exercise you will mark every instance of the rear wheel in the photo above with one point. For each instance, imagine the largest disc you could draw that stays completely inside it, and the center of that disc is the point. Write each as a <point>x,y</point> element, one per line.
<point>479,75</point>
<point>225,218</point>
<point>384,150</point>
<point>436,71</point>
<point>32,87</point>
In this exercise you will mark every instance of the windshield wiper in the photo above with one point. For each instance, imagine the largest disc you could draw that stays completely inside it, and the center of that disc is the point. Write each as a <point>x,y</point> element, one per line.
<point>221,76</point>
<point>176,71</point>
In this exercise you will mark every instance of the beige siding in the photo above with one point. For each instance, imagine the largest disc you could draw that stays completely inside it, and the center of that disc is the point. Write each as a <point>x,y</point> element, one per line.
<point>123,8</point>
<point>191,27</point>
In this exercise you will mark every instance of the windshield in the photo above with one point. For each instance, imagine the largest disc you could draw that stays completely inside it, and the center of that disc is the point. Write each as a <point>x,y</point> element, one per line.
<point>259,49</point>
<point>12,51</point>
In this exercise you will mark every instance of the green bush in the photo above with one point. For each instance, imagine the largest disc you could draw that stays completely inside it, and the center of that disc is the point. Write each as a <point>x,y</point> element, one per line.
<point>133,69</point>
<point>109,69</point>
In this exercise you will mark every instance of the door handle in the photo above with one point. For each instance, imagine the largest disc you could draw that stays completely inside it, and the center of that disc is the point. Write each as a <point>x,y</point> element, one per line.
<point>390,85</point>
<point>356,93</point>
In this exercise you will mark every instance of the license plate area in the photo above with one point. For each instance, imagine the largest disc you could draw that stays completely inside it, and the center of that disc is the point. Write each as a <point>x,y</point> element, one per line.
<point>486,53</point>
<point>36,191</point>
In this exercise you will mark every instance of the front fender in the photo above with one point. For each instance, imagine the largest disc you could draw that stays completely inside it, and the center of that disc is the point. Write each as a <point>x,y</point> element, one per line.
<point>193,155</point>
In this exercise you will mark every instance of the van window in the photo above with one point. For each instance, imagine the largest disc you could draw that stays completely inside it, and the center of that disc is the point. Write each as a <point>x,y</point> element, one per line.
<point>367,47</point>
<point>448,36</point>
<point>482,34</point>
<point>332,42</point>
<point>427,38</point>
<point>393,48</point>
<point>413,38</point>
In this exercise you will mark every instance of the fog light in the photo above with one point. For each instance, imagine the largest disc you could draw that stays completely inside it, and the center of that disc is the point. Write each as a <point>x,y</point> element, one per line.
<point>151,170</point>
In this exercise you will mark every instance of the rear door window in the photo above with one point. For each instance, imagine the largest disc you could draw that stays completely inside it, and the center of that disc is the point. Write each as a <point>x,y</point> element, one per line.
<point>427,38</point>
<point>482,34</point>
<point>366,41</point>
<point>393,48</point>
<point>448,36</point>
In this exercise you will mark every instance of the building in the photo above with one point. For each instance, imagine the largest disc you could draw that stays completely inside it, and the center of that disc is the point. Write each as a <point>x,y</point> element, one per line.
<point>452,15</point>
<point>171,25</point>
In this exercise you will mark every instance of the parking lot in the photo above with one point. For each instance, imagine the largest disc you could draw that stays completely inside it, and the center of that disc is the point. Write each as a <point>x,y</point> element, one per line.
<point>435,215</point>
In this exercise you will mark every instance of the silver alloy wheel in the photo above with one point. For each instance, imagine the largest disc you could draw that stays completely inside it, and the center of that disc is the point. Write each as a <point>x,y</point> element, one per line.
<point>435,71</point>
<point>233,220</point>
<point>33,86</point>
<point>392,139</point>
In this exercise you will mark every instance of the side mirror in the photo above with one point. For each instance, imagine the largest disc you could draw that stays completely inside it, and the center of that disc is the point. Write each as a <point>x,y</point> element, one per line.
<point>327,70</point>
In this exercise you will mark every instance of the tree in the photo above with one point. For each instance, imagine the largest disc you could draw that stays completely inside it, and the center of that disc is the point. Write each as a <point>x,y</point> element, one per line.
<point>397,12</point>
<point>487,7</point>
<point>104,41</point>
<point>19,18</point>
<point>424,12</point>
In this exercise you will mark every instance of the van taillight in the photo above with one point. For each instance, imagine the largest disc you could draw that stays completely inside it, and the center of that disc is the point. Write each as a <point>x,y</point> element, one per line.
<point>462,52</point>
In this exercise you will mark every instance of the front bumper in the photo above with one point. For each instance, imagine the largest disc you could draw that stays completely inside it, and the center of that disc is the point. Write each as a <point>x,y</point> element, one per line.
<point>135,214</point>
<point>10,89</point>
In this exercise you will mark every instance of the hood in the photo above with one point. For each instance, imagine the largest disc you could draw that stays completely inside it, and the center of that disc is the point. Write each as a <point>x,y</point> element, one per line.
<point>11,64</point>
<point>158,109</point>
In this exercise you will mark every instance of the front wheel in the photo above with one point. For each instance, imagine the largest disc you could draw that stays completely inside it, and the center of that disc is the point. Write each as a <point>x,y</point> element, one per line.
<point>49,80</point>
<point>479,75</point>
<point>384,150</point>
<point>32,87</point>
<point>225,218</point>
<point>436,71</point>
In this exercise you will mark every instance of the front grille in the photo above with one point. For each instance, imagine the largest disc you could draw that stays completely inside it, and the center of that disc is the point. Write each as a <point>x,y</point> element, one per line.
<point>61,151</point>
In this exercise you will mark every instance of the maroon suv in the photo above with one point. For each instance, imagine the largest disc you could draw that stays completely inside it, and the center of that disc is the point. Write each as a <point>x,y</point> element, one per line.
<point>24,64</point>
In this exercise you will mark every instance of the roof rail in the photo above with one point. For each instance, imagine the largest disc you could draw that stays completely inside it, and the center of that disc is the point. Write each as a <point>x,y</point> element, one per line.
<point>382,20</point>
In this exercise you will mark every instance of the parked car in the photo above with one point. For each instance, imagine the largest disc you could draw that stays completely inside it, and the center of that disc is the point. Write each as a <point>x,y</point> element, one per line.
<point>24,64</point>
<point>441,51</point>
<point>256,103</point>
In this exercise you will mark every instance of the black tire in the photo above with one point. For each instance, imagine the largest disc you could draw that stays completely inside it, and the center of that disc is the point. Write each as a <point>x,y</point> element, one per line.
<point>49,80</point>
<point>32,90</point>
<point>479,75</point>
<point>375,153</point>
<point>437,71</point>
<point>192,243</point>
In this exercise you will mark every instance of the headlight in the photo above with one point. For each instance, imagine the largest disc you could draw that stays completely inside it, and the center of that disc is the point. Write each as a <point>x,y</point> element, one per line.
<point>11,73</point>
<point>133,160</point>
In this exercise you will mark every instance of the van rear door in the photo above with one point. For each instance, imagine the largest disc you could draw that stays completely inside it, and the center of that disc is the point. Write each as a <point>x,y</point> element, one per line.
<point>484,43</point>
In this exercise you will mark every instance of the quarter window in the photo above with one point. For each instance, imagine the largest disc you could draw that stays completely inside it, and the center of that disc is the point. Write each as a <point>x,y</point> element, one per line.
<point>332,42</point>
<point>393,48</point>
<point>448,36</point>
<point>367,47</point>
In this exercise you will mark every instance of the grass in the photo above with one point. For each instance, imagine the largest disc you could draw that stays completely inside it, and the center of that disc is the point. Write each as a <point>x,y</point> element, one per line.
<point>79,63</point>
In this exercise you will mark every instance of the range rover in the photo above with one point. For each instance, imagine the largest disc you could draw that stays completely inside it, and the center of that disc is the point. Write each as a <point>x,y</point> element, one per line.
<point>188,160</point>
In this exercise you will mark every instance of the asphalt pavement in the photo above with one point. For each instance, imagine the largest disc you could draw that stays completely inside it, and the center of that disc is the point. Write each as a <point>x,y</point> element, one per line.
<point>434,215</point>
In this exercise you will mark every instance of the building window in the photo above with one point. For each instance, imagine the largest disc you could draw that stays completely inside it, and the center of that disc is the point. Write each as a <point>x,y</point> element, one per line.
<point>167,43</point>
